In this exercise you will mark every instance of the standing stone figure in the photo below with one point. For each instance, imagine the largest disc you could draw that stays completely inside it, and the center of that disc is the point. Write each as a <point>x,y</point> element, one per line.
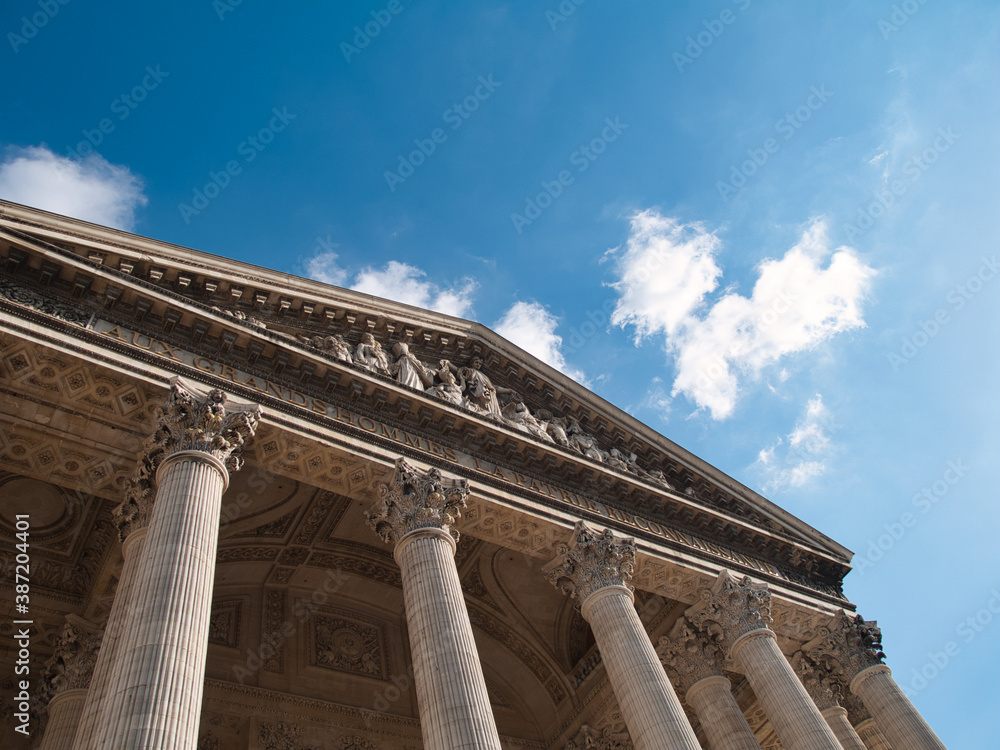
<point>368,353</point>
<point>480,391</point>
<point>408,370</point>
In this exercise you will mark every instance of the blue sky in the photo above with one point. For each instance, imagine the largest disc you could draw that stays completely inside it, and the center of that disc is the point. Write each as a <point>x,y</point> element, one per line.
<point>768,230</point>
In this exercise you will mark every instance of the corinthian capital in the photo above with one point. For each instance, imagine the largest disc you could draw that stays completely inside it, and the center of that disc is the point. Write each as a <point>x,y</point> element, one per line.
<point>594,560</point>
<point>823,687</point>
<point>689,656</point>
<point>414,500</point>
<point>72,663</point>
<point>846,646</point>
<point>731,608</point>
<point>192,420</point>
<point>132,513</point>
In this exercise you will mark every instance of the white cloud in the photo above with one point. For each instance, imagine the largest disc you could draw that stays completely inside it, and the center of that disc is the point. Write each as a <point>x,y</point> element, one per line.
<point>801,455</point>
<point>533,328</point>
<point>396,281</point>
<point>405,283</point>
<point>91,189</point>
<point>798,301</point>
<point>323,267</point>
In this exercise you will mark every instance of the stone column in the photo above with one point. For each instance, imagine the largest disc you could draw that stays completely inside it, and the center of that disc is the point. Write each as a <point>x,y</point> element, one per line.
<point>852,648</point>
<point>825,692</point>
<point>862,721</point>
<point>692,662</point>
<point>65,681</point>
<point>596,569</point>
<point>416,513</point>
<point>736,613</point>
<point>132,517</point>
<point>153,698</point>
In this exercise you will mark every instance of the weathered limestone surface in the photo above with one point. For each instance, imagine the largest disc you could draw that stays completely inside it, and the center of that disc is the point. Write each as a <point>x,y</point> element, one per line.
<point>596,569</point>
<point>416,514</point>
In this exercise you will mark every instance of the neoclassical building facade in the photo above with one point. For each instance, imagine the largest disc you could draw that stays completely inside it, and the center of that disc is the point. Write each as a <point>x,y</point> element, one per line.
<point>241,510</point>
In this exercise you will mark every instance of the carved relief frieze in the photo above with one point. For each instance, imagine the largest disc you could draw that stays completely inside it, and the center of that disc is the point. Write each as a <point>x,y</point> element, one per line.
<point>349,644</point>
<point>225,622</point>
<point>280,735</point>
<point>27,298</point>
<point>272,630</point>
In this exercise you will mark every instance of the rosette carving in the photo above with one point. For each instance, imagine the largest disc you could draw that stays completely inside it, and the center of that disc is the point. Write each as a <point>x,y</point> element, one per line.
<point>689,656</point>
<point>594,560</point>
<point>848,645</point>
<point>416,499</point>
<point>731,608</point>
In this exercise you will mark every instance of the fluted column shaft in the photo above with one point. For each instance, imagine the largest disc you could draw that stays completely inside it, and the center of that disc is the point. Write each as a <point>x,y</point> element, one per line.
<point>796,719</point>
<point>64,716</point>
<point>720,715</point>
<point>836,717</point>
<point>649,705</point>
<point>896,716</point>
<point>872,736</point>
<point>154,696</point>
<point>455,711</point>
<point>115,633</point>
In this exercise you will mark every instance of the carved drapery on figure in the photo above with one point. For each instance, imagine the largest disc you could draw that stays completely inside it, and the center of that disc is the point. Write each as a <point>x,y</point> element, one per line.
<point>416,499</point>
<point>594,560</point>
<point>731,608</point>
<point>847,646</point>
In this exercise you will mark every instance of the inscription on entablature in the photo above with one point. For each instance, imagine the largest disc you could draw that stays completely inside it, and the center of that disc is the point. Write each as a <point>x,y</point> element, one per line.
<point>382,430</point>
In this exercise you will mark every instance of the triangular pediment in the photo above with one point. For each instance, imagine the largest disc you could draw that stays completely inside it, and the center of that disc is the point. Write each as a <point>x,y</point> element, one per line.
<point>273,329</point>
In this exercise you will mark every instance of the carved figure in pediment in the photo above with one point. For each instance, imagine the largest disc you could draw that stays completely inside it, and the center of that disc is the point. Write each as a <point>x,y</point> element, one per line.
<point>554,426</point>
<point>583,443</point>
<point>369,354</point>
<point>448,387</point>
<point>408,370</point>
<point>658,477</point>
<point>518,414</point>
<point>335,346</point>
<point>480,391</point>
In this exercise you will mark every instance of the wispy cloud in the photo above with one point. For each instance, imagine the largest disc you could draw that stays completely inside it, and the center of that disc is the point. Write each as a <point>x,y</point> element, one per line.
<point>793,460</point>
<point>91,189</point>
<point>669,269</point>
<point>532,327</point>
<point>397,281</point>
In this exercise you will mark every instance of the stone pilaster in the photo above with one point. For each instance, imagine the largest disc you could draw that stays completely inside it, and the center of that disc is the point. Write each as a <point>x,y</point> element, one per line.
<point>694,664</point>
<point>596,569</point>
<point>826,693</point>
<point>736,613</point>
<point>65,681</point>
<point>851,648</point>
<point>132,518</point>
<point>416,513</point>
<point>153,696</point>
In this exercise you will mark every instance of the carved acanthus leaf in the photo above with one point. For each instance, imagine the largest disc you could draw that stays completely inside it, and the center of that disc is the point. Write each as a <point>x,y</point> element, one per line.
<point>849,644</point>
<point>688,655</point>
<point>731,608</point>
<point>594,560</point>
<point>416,499</point>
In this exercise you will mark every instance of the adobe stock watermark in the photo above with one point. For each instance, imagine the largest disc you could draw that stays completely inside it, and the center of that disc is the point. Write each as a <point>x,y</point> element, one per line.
<point>561,12</point>
<point>966,632</point>
<point>957,298</point>
<point>250,148</point>
<point>31,25</point>
<point>364,34</point>
<point>712,29</point>
<point>122,106</point>
<point>900,16</point>
<point>922,502</point>
<point>581,158</point>
<point>455,116</point>
<point>912,170</point>
<point>785,127</point>
<point>272,643</point>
